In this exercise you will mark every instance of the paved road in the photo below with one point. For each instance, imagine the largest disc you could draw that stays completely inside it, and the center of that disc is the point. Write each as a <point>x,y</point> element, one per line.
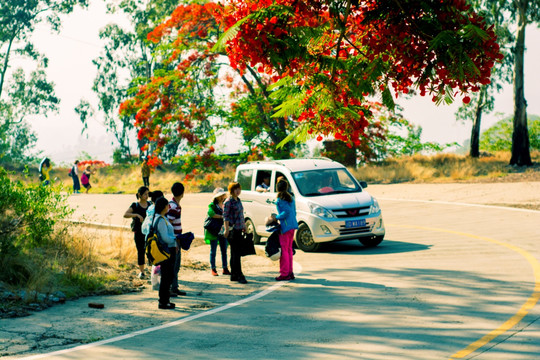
<point>449,281</point>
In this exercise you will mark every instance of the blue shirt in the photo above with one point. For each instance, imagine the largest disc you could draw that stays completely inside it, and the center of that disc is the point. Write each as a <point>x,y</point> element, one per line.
<point>286,215</point>
<point>166,231</point>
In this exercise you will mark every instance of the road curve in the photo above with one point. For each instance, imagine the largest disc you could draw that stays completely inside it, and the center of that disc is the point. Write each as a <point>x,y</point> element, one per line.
<point>449,281</point>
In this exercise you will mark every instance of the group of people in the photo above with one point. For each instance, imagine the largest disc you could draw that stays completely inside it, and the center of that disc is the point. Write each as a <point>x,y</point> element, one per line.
<point>164,217</point>
<point>45,177</point>
<point>85,177</point>
<point>226,209</point>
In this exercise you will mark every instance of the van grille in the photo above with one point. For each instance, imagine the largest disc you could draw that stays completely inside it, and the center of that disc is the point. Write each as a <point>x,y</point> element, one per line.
<point>353,212</point>
<point>358,230</point>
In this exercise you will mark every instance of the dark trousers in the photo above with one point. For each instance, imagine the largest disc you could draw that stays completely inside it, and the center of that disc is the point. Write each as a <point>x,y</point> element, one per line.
<point>76,183</point>
<point>236,259</point>
<point>140,241</point>
<point>176,268</point>
<point>146,181</point>
<point>167,272</point>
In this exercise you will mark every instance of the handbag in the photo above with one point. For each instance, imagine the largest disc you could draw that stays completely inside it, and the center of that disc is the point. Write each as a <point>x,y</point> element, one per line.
<point>246,245</point>
<point>156,251</point>
<point>213,225</point>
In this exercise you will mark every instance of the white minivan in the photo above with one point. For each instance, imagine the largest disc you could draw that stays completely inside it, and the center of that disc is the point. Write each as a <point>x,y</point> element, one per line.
<point>331,205</point>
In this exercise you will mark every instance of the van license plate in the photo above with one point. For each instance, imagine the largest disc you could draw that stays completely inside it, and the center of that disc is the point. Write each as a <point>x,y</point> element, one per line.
<point>355,223</point>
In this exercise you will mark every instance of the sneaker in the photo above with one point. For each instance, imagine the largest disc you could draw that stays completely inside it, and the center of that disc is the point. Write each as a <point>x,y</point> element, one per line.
<point>168,306</point>
<point>178,292</point>
<point>226,271</point>
<point>141,276</point>
<point>242,280</point>
<point>291,275</point>
<point>283,278</point>
<point>214,272</point>
<point>173,294</point>
<point>234,277</point>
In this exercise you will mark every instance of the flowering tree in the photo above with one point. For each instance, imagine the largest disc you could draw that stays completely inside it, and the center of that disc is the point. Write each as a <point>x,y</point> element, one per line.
<point>329,57</point>
<point>319,64</point>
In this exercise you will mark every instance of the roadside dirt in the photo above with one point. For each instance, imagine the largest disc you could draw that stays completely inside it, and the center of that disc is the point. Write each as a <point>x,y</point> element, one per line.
<point>75,323</point>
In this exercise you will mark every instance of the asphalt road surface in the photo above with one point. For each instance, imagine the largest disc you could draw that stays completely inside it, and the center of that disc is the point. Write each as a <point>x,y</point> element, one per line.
<point>449,281</point>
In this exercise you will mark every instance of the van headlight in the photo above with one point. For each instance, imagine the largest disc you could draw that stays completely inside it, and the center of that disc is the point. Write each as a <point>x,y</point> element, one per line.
<point>320,211</point>
<point>374,207</point>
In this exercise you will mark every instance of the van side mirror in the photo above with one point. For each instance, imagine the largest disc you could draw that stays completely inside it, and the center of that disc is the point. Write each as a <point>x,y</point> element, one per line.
<point>363,184</point>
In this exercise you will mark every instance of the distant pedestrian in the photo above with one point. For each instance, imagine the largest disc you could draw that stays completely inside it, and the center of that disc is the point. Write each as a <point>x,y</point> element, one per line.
<point>85,177</point>
<point>137,212</point>
<point>145,172</point>
<point>286,214</point>
<point>74,172</point>
<point>166,232</point>
<point>235,227</point>
<point>44,170</point>
<point>174,217</point>
<point>214,235</point>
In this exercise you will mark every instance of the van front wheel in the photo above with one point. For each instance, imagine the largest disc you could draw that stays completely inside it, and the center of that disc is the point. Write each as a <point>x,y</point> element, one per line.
<point>304,239</point>
<point>250,229</point>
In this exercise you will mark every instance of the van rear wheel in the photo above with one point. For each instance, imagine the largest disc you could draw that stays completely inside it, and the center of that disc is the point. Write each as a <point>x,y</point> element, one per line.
<point>304,239</point>
<point>250,229</point>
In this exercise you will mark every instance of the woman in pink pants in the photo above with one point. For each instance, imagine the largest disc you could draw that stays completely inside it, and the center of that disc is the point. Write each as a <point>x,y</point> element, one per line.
<point>286,214</point>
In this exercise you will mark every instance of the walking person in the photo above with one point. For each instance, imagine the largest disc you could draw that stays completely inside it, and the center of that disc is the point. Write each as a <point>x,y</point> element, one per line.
<point>165,230</point>
<point>137,212</point>
<point>214,235</point>
<point>145,172</point>
<point>75,176</point>
<point>235,226</point>
<point>85,177</point>
<point>174,217</point>
<point>286,214</point>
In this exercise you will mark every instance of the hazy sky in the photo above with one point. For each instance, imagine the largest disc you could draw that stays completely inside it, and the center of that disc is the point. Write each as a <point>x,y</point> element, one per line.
<point>71,69</point>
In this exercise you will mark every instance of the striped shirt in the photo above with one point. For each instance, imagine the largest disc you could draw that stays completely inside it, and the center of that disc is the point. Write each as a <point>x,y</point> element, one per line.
<point>175,211</point>
<point>233,212</point>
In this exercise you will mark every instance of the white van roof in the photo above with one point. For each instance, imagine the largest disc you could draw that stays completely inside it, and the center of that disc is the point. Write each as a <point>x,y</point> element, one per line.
<point>295,165</point>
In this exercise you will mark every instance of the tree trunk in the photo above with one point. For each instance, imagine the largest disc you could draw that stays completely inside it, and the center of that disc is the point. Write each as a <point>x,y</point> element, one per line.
<point>475,132</point>
<point>520,138</point>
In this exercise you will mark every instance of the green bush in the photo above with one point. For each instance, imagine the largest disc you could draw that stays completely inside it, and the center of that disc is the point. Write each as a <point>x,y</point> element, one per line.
<point>28,217</point>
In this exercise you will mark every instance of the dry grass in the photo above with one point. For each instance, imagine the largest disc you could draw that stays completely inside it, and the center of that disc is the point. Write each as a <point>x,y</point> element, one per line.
<point>418,168</point>
<point>448,168</point>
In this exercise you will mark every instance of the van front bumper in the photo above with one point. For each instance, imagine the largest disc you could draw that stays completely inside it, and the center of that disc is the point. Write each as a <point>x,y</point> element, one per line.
<point>326,230</point>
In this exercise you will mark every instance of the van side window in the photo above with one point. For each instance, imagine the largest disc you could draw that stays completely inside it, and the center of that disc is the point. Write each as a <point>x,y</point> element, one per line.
<point>262,183</point>
<point>244,179</point>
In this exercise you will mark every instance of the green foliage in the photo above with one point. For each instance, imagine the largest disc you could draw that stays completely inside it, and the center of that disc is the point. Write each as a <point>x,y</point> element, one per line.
<point>21,95</point>
<point>29,213</point>
<point>398,145</point>
<point>126,51</point>
<point>499,136</point>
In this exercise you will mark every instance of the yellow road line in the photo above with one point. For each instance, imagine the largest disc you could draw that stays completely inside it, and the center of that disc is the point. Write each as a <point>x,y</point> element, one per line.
<point>522,312</point>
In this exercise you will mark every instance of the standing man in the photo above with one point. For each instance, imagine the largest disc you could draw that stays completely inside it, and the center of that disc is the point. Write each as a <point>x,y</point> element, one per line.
<point>75,176</point>
<point>145,172</point>
<point>174,214</point>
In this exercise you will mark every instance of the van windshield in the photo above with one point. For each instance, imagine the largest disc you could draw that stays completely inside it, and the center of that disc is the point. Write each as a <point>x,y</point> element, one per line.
<point>325,182</point>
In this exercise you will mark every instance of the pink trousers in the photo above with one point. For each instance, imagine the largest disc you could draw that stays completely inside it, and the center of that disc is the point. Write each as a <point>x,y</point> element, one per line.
<point>286,259</point>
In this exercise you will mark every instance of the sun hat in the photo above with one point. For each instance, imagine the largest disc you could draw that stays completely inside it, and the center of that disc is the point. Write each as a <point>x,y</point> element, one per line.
<point>218,192</point>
